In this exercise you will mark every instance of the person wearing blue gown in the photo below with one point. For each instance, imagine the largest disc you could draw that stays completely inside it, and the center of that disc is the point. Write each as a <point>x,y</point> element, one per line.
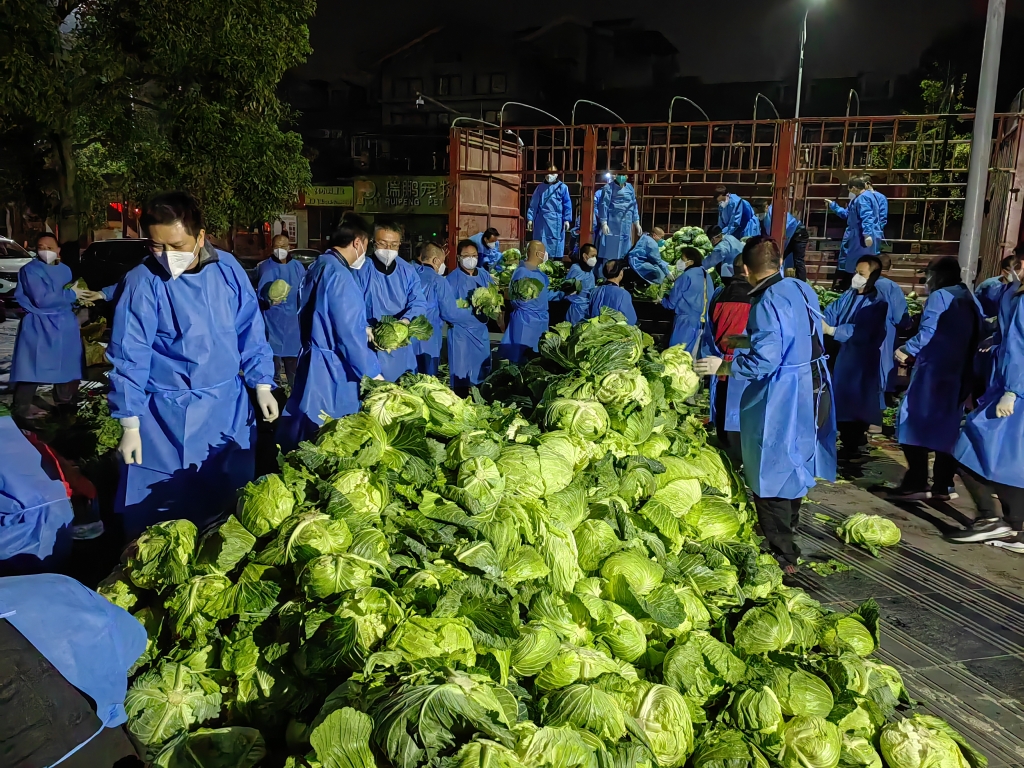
<point>529,320</point>
<point>619,218</point>
<point>736,216</point>
<point>281,317</point>
<point>582,269</point>
<point>689,298</point>
<point>940,382</point>
<point>645,258</point>
<point>794,246</point>
<point>392,289</point>
<point>990,291</point>
<point>550,213</point>
<point>898,320</point>
<point>187,340</point>
<point>787,419</point>
<point>990,449</point>
<point>858,320</point>
<point>48,346</point>
<point>488,249</point>
<point>863,235</point>
<point>441,308</point>
<point>611,294</point>
<point>723,254</point>
<point>469,345</point>
<point>335,355</point>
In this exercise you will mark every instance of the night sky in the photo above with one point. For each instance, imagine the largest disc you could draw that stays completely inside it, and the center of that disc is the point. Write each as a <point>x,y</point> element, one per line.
<point>734,40</point>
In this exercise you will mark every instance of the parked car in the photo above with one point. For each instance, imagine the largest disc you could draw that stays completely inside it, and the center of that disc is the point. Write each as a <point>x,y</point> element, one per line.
<point>105,262</point>
<point>305,255</point>
<point>12,258</point>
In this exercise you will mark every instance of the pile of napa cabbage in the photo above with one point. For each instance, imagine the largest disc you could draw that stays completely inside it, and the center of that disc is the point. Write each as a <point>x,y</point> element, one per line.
<point>558,573</point>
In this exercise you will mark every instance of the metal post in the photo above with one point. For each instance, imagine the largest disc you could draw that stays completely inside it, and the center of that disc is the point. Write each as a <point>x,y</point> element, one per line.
<point>981,142</point>
<point>800,72</point>
<point>782,172</point>
<point>454,169</point>
<point>589,176</point>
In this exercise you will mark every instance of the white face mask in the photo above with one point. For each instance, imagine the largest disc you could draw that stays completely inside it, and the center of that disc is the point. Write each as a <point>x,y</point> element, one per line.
<point>722,204</point>
<point>440,269</point>
<point>858,282</point>
<point>280,253</point>
<point>469,263</point>
<point>360,260</point>
<point>551,178</point>
<point>493,246</point>
<point>176,262</point>
<point>546,257</point>
<point>385,256</point>
<point>852,195</point>
<point>50,257</point>
<point>592,261</point>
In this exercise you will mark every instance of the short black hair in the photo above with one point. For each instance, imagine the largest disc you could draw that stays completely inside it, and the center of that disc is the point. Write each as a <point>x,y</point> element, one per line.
<point>491,232</point>
<point>692,254</point>
<point>866,177</point>
<point>50,235</point>
<point>1012,261</point>
<point>613,268</point>
<point>873,260</point>
<point>737,264</point>
<point>886,260</point>
<point>856,183</point>
<point>386,225</point>
<point>587,248</point>
<point>713,231</point>
<point>760,253</point>
<point>721,191</point>
<point>352,227</point>
<point>466,243</point>
<point>171,207</point>
<point>946,270</point>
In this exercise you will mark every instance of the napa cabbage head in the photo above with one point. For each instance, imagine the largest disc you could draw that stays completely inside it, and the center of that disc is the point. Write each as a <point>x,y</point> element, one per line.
<point>265,504</point>
<point>624,387</point>
<point>683,383</point>
<point>585,418</point>
<point>664,716</point>
<point>810,742</point>
<point>756,709</point>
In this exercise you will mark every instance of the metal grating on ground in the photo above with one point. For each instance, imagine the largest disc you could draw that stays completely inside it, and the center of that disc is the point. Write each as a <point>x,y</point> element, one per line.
<point>957,639</point>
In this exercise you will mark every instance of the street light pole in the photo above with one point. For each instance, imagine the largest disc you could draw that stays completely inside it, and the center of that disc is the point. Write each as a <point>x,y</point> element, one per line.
<point>800,72</point>
<point>981,142</point>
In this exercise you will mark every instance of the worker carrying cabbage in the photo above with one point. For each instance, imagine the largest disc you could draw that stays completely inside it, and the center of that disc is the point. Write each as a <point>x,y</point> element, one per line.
<point>392,289</point>
<point>611,294</point>
<point>278,289</point>
<point>334,355</point>
<point>787,424</point>
<point>550,213</point>
<point>723,254</point>
<point>645,258</point>
<point>689,298</point>
<point>441,307</point>
<point>488,249</point>
<point>469,346</point>
<point>187,340</point>
<point>528,291</point>
<point>736,216</point>
<point>619,217</point>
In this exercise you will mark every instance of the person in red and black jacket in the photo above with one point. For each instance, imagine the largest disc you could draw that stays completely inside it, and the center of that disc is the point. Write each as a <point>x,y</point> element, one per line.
<point>727,317</point>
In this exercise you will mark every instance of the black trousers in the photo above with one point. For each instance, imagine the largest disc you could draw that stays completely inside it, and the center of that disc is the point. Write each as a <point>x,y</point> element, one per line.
<point>798,247</point>
<point>288,365</point>
<point>729,441</point>
<point>1011,498</point>
<point>779,520</point>
<point>854,436</point>
<point>63,394</point>
<point>917,470</point>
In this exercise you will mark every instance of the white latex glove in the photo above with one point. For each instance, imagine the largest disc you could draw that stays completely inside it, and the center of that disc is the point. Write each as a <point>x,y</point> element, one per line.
<point>1004,407</point>
<point>378,377</point>
<point>829,330</point>
<point>130,447</point>
<point>267,402</point>
<point>529,226</point>
<point>369,335</point>
<point>605,229</point>
<point>901,356</point>
<point>567,226</point>
<point>637,228</point>
<point>869,241</point>
<point>707,366</point>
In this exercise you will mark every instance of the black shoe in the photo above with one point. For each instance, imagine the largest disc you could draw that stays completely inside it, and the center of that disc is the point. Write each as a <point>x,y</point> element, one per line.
<point>1014,543</point>
<point>982,530</point>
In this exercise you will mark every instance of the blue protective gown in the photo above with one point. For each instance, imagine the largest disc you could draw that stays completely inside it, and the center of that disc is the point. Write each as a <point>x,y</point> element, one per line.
<point>723,258</point>
<point>737,218</point>
<point>784,449</point>
<point>860,321</point>
<point>614,297</point>
<point>469,345</point>
<point>734,397</point>
<point>529,319</point>
<point>645,260</point>
<point>618,209</point>
<point>335,354</point>
<point>183,351</point>
<point>933,407</point>
<point>689,299</point>
<point>400,295</point>
<point>282,320</point>
<point>881,207</point>
<point>579,302</point>
<point>862,220</point>
<point>898,319</point>
<point>489,258</point>
<point>48,347</point>
<point>440,308</point>
<point>550,210</point>
<point>989,293</point>
<point>988,445</point>
<point>792,225</point>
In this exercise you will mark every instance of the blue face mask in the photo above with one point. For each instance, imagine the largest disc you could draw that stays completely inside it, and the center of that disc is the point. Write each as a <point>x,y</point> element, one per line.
<point>661,243</point>
<point>621,180</point>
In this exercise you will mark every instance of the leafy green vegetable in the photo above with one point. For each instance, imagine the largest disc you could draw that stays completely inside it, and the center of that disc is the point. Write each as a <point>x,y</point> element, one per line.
<point>488,300</point>
<point>265,504</point>
<point>278,291</point>
<point>810,742</point>
<point>922,740</point>
<point>213,748</point>
<point>526,289</point>
<point>162,554</point>
<point>870,531</point>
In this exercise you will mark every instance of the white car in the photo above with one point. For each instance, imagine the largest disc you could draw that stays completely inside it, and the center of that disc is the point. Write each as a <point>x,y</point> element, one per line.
<point>12,258</point>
